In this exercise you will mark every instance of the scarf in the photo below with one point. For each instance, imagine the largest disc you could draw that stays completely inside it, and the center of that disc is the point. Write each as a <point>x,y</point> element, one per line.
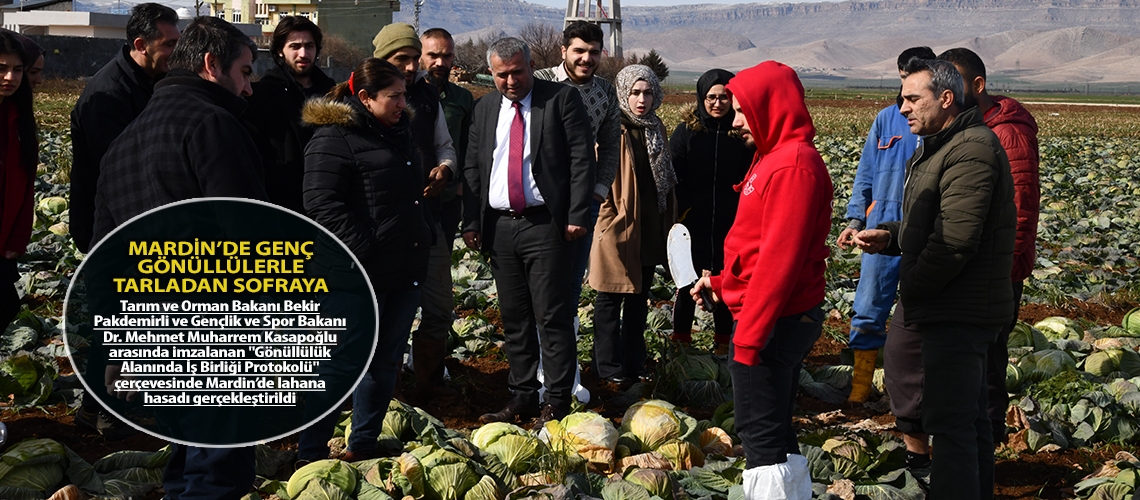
<point>707,81</point>
<point>660,160</point>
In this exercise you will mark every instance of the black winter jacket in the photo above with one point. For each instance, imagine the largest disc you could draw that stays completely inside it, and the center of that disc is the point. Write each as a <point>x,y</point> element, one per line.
<point>274,121</point>
<point>959,224</point>
<point>709,160</point>
<point>110,101</point>
<point>364,183</point>
<point>187,143</point>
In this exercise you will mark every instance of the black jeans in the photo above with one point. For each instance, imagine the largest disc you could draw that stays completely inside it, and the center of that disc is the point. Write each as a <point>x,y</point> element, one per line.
<point>765,394</point>
<point>954,402</point>
<point>996,360</point>
<point>619,330</point>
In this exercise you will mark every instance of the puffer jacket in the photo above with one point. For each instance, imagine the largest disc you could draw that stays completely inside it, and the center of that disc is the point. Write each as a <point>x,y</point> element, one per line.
<point>364,183</point>
<point>1017,131</point>
<point>958,228</point>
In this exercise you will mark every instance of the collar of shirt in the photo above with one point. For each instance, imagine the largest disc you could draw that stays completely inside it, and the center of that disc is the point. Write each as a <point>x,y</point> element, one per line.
<point>525,103</point>
<point>562,76</point>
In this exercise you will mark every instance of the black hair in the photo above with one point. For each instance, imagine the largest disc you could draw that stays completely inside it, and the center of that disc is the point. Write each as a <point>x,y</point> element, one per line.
<point>587,32</point>
<point>286,26</point>
<point>209,35</point>
<point>438,33</point>
<point>372,75</point>
<point>144,20</point>
<point>967,60</point>
<point>25,114</point>
<point>943,76</point>
<point>913,52</point>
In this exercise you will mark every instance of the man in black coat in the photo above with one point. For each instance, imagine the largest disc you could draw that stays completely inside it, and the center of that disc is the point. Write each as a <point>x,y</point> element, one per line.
<point>530,177</point>
<point>274,115</point>
<point>188,143</point>
<point>111,100</point>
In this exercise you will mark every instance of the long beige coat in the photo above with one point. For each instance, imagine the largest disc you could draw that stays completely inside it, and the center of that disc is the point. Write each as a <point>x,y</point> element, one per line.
<point>615,256</point>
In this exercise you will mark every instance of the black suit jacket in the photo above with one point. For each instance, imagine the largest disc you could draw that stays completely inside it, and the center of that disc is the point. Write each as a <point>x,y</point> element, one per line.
<point>562,156</point>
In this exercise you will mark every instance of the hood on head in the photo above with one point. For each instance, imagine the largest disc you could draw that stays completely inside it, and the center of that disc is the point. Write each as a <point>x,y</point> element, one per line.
<point>772,100</point>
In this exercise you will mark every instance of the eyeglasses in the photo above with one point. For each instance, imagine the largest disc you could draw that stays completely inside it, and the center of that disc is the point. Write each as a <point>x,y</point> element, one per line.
<point>711,98</point>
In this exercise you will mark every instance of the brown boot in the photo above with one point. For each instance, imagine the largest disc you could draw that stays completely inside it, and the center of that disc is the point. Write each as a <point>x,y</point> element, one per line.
<point>427,358</point>
<point>863,375</point>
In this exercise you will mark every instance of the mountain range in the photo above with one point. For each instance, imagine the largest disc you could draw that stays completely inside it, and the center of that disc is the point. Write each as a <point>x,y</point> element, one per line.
<point>1028,41</point>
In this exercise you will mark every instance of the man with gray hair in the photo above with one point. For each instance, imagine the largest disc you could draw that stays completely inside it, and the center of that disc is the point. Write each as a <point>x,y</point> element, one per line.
<point>530,178</point>
<point>956,242</point>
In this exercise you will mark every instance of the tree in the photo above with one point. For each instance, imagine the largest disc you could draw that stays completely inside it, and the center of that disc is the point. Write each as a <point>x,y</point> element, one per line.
<point>545,44</point>
<point>471,55</point>
<point>653,60</point>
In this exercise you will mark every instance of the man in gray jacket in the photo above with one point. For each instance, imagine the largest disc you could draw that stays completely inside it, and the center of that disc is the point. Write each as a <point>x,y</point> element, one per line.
<point>956,242</point>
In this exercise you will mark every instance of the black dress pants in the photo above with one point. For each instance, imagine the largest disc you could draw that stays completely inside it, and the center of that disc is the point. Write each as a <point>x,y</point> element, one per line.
<point>531,262</point>
<point>619,330</point>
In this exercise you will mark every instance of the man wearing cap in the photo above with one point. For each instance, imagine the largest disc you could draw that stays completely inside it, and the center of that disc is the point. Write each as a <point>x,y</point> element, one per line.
<point>398,44</point>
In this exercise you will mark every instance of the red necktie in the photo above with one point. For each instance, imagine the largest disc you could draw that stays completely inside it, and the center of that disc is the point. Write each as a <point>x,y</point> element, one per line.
<point>515,162</point>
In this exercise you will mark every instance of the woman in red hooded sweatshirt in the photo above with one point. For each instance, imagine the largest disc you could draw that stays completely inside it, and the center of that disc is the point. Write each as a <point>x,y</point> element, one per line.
<point>19,156</point>
<point>773,274</point>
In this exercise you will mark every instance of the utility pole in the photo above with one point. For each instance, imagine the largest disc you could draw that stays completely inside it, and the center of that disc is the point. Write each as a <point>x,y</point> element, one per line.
<point>418,4</point>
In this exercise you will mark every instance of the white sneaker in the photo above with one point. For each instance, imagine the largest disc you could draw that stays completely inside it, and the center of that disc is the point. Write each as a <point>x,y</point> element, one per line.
<point>776,482</point>
<point>801,481</point>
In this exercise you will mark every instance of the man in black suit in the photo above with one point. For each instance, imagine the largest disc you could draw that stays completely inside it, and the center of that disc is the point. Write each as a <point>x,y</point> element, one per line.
<point>530,174</point>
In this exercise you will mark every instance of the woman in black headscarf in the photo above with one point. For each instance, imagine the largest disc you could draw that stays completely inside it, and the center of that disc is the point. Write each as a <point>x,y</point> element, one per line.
<point>709,158</point>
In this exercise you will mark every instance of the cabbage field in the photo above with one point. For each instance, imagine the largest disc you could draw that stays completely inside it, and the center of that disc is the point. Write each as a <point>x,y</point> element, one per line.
<point>1073,376</point>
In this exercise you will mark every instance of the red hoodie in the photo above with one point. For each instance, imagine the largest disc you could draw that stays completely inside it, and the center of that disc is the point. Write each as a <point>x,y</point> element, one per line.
<point>774,255</point>
<point>1017,131</point>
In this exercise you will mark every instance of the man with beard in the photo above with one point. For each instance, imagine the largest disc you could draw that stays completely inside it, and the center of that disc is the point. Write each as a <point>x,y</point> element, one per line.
<point>398,44</point>
<point>429,342</point>
<point>188,143</point>
<point>1016,129</point>
<point>956,240</point>
<point>774,261</point>
<point>581,53</point>
<point>110,101</point>
<point>274,114</point>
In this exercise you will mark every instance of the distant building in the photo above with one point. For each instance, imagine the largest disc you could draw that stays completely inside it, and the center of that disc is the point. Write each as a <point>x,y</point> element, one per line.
<point>355,20</point>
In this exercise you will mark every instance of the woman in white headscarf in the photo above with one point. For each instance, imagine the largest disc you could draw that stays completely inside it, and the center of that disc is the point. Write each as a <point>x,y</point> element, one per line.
<point>634,221</point>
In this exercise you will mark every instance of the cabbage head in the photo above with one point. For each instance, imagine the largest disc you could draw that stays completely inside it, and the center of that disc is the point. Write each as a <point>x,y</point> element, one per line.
<point>1012,377</point>
<point>656,482</point>
<point>653,422</point>
<point>34,464</point>
<point>683,455</point>
<point>714,441</point>
<point>450,481</point>
<point>323,477</point>
<point>1104,362</point>
<point>1024,335</point>
<point>1131,322</point>
<point>519,453</point>
<point>1059,328</point>
<point>485,489</point>
<point>489,433</point>
<point>624,490</point>
<point>591,436</point>
<point>1048,362</point>
<point>700,367</point>
<point>53,205</point>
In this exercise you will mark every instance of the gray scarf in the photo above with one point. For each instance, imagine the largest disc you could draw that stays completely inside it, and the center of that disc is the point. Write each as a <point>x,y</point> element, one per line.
<point>659,158</point>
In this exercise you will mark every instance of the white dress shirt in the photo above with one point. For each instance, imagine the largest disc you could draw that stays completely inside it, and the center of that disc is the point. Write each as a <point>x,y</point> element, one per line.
<point>497,195</point>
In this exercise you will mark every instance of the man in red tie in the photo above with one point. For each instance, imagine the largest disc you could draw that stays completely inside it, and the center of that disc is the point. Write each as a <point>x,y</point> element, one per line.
<point>530,174</point>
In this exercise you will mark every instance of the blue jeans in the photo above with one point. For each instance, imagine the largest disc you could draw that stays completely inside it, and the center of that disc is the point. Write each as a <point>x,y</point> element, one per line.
<point>195,473</point>
<point>874,296</point>
<point>371,397</point>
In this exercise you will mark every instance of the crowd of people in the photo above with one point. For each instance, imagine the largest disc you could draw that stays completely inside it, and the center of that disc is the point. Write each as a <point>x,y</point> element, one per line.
<point>557,171</point>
